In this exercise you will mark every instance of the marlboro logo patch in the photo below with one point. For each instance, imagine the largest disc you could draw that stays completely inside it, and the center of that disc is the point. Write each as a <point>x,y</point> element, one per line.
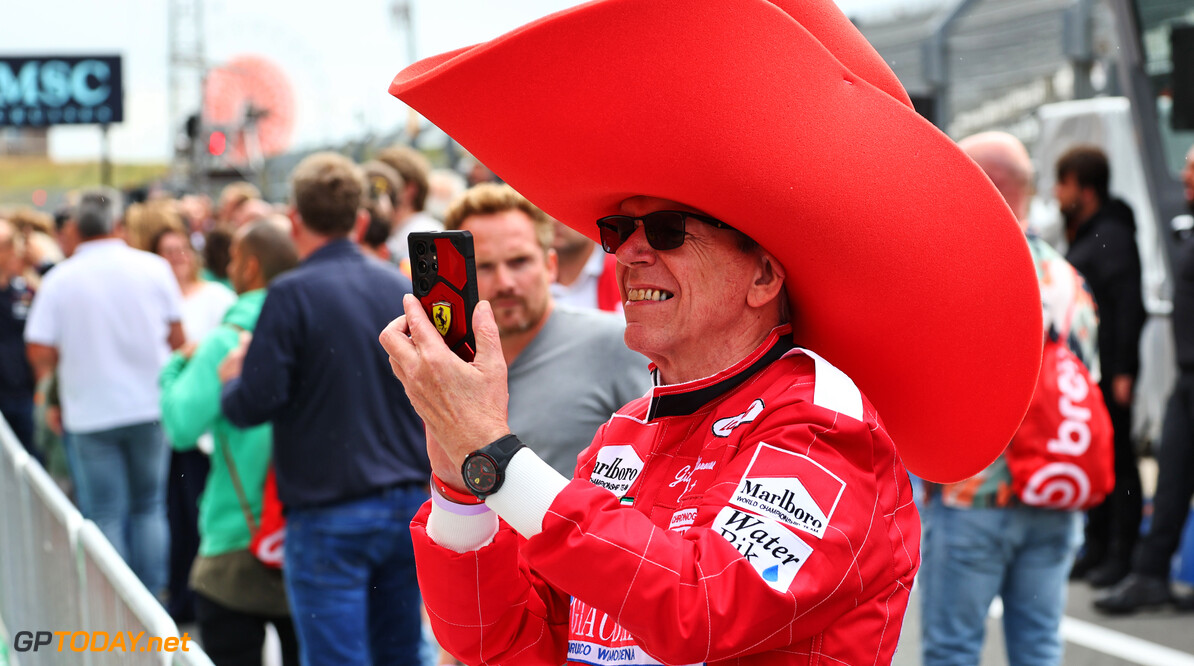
<point>805,497</point>
<point>616,469</point>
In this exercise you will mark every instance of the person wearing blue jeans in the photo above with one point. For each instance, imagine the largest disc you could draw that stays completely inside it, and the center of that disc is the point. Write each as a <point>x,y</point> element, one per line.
<point>124,473</point>
<point>350,455</point>
<point>978,540</point>
<point>353,566</point>
<point>1015,553</point>
<point>105,320</point>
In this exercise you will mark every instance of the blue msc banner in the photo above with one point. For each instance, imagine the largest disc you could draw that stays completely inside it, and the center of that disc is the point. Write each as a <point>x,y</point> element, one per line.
<point>60,90</point>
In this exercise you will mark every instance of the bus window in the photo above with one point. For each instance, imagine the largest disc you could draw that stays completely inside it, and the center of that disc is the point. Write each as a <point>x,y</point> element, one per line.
<point>1156,19</point>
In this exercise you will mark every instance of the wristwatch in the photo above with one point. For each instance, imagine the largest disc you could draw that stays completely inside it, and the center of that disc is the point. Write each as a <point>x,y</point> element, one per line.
<point>484,470</point>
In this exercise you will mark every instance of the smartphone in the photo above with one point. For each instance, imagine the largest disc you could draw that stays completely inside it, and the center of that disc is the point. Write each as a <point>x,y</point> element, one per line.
<point>444,274</point>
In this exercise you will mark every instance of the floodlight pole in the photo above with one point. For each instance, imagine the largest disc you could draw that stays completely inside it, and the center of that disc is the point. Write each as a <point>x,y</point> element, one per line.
<point>402,13</point>
<point>936,61</point>
<point>105,157</point>
<point>187,67</point>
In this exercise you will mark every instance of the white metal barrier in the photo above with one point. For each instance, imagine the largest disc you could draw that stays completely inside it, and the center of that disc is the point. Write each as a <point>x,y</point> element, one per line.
<point>58,573</point>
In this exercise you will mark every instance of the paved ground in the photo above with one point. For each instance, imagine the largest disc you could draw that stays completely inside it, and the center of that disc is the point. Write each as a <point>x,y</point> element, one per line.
<point>1159,638</point>
<point>1162,638</point>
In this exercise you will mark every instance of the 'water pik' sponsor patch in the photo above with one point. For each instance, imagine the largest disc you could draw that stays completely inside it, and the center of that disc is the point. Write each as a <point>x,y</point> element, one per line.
<point>805,497</point>
<point>771,548</point>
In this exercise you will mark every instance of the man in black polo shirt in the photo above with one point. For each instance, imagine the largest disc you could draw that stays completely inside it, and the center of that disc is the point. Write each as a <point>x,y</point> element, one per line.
<point>349,450</point>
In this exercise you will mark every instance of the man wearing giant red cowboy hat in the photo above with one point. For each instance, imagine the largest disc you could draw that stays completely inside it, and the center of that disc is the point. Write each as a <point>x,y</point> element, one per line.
<point>764,183</point>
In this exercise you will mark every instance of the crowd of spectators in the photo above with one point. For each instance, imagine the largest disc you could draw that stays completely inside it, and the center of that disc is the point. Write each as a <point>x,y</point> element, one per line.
<point>120,319</point>
<point>124,334</point>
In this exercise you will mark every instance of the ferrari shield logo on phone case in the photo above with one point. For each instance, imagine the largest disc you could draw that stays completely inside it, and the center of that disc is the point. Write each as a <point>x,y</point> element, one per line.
<point>444,279</point>
<point>441,315</point>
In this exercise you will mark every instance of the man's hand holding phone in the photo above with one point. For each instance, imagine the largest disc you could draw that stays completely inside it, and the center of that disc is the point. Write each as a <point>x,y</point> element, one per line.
<point>463,404</point>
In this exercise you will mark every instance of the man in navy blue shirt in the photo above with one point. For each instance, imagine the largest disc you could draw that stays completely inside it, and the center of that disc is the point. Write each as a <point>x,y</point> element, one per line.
<point>349,451</point>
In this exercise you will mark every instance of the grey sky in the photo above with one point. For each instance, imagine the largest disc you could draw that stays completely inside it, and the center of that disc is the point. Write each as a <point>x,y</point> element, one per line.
<point>340,55</point>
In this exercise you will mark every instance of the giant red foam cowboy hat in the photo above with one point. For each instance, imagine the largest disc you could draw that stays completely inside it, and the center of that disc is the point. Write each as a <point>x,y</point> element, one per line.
<point>905,268</point>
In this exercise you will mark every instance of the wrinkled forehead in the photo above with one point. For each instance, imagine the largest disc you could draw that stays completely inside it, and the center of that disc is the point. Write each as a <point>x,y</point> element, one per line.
<point>173,237</point>
<point>510,229</point>
<point>643,204</point>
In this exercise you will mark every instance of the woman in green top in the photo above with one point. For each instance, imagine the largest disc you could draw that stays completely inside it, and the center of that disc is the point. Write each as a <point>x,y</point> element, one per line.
<point>230,616</point>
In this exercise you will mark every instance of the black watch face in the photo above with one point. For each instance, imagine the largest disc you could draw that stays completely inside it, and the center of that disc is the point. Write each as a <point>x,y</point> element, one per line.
<point>480,473</point>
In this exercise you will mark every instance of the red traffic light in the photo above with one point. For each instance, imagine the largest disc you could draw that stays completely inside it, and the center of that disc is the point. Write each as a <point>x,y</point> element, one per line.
<point>217,143</point>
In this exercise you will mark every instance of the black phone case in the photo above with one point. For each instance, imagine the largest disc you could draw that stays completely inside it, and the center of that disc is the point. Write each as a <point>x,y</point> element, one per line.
<point>444,274</point>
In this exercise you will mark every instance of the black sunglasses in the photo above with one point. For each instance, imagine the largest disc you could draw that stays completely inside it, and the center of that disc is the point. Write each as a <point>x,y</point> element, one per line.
<point>664,229</point>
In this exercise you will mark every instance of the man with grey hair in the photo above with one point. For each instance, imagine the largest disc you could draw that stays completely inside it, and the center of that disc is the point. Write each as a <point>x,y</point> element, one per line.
<point>107,319</point>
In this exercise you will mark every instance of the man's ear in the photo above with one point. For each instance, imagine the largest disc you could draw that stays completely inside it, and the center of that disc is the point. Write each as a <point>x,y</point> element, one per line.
<point>768,280</point>
<point>553,264</point>
<point>253,268</point>
<point>360,226</point>
<point>296,222</point>
<point>408,192</point>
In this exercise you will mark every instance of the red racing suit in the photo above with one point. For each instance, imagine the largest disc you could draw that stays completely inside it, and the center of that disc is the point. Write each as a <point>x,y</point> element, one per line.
<point>758,516</point>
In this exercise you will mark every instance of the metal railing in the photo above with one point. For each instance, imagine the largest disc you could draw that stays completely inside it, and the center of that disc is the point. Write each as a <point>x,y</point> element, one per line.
<point>58,573</point>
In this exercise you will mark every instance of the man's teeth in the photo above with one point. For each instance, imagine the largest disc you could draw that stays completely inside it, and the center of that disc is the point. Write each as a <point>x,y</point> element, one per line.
<point>647,295</point>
